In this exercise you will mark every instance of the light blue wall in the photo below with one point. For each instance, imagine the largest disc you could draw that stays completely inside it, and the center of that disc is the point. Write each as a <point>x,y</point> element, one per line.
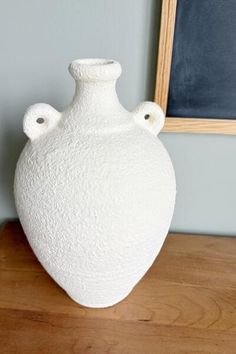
<point>40,37</point>
<point>206,182</point>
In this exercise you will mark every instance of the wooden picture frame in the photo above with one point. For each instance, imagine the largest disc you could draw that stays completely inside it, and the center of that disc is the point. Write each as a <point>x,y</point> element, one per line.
<point>178,124</point>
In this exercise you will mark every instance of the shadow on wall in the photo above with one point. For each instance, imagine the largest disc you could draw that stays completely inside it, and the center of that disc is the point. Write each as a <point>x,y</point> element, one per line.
<point>12,144</point>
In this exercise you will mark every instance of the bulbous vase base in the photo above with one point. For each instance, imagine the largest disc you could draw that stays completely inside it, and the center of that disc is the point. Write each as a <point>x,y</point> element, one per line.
<point>111,302</point>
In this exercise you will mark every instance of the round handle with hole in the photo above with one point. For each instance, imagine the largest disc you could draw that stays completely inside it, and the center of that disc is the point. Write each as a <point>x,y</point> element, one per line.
<point>150,116</point>
<point>39,119</point>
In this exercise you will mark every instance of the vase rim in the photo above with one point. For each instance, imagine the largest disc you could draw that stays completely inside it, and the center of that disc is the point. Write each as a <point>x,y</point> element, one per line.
<point>93,69</point>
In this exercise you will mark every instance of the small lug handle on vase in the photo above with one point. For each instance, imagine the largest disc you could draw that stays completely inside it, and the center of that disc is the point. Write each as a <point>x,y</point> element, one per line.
<point>150,116</point>
<point>39,119</point>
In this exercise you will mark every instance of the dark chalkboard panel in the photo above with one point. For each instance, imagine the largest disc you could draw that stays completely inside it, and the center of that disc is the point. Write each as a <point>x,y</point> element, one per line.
<point>203,68</point>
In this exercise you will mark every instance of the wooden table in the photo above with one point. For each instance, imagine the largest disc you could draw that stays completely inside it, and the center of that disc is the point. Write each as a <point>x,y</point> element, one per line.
<point>185,304</point>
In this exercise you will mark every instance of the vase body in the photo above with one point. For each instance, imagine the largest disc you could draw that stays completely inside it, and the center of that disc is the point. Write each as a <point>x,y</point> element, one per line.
<point>95,188</point>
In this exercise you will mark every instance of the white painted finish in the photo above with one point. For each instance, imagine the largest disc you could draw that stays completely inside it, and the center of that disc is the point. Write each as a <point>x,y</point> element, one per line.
<point>95,187</point>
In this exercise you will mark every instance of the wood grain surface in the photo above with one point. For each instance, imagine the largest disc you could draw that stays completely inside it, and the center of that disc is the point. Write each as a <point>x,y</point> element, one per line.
<point>167,28</point>
<point>186,303</point>
<point>200,125</point>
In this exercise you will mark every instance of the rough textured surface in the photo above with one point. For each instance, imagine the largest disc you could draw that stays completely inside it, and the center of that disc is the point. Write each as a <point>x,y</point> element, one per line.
<point>95,191</point>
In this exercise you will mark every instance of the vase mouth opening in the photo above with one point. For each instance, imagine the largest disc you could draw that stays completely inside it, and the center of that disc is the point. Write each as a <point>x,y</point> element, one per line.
<point>95,69</point>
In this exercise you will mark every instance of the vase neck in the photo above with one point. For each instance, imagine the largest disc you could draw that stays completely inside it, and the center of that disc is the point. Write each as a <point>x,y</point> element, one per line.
<point>95,106</point>
<point>94,94</point>
<point>95,84</point>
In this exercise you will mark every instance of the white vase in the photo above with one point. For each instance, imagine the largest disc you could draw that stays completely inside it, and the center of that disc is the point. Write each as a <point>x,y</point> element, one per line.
<point>95,188</point>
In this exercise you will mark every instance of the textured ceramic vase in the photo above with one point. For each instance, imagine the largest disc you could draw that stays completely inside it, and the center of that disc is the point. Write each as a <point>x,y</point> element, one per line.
<point>95,187</point>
